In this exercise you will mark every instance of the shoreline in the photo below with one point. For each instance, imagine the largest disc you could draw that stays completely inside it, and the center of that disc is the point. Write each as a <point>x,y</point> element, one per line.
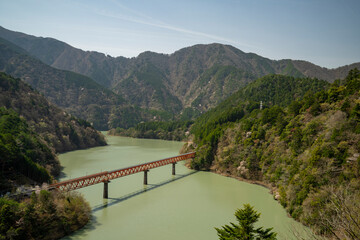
<point>256,182</point>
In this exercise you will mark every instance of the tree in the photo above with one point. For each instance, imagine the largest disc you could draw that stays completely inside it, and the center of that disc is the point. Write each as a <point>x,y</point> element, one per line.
<point>334,210</point>
<point>245,230</point>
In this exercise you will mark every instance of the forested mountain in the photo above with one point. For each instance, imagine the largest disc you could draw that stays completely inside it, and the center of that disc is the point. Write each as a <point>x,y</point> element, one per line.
<point>33,130</point>
<point>25,156</point>
<point>271,90</point>
<point>170,130</point>
<point>77,94</point>
<point>189,81</point>
<point>307,152</point>
<point>27,159</point>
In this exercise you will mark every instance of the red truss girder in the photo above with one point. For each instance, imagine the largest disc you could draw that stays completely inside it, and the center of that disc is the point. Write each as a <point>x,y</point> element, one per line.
<point>106,176</point>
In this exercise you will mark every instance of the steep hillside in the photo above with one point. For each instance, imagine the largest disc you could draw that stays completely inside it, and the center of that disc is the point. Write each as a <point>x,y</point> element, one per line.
<point>59,129</point>
<point>31,132</point>
<point>61,55</point>
<point>173,131</point>
<point>192,79</point>
<point>271,90</point>
<point>25,156</point>
<point>146,86</point>
<point>329,75</point>
<point>47,215</point>
<point>77,94</point>
<point>308,153</point>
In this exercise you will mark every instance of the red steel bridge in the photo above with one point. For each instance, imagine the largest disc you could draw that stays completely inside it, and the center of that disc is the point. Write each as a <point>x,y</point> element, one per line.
<point>105,177</point>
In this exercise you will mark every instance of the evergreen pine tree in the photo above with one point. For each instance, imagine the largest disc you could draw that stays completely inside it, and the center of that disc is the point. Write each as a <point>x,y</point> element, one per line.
<point>245,230</point>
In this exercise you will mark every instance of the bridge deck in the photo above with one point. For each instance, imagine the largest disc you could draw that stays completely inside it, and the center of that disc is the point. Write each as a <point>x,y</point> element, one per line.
<point>106,176</point>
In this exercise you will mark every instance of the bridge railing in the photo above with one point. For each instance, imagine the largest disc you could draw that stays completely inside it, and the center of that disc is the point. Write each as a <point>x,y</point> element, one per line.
<point>106,176</point>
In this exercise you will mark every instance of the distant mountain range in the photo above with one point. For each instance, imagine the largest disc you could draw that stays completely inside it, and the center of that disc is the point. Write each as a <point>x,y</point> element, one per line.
<point>77,94</point>
<point>183,84</point>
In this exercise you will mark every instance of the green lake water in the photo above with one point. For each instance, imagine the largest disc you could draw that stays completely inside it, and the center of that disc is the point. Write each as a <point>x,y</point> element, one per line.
<point>185,206</point>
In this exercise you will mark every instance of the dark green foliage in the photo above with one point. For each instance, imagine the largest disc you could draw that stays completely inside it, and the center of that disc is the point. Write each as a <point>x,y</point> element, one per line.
<point>270,89</point>
<point>62,131</point>
<point>81,122</point>
<point>175,130</point>
<point>205,159</point>
<point>270,115</point>
<point>309,146</point>
<point>315,108</point>
<point>345,106</point>
<point>279,90</point>
<point>252,106</point>
<point>46,215</point>
<point>189,113</point>
<point>275,90</point>
<point>28,144</point>
<point>205,125</point>
<point>167,126</point>
<point>352,81</point>
<point>355,112</point>
<point>8,218</point>
<point>148,77</point>
<point>335,93</point>
<point>22,152</point>
<point>290,70</point>
<point>210,133</point>
<point>245,229</point>
<point>124,117</point>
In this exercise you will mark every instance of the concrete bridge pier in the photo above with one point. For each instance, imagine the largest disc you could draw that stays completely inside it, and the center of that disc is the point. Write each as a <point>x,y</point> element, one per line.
<point>173,168</point>
<point>145,177</point>
<point>106,189</point>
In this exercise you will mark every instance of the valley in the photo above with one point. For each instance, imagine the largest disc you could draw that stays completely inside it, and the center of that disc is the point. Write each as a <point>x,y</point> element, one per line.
<point>174,86</point>
<point>290,125</point>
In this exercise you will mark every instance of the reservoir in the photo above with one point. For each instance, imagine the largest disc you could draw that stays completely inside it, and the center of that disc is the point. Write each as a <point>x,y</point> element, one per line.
<point>185,206</point>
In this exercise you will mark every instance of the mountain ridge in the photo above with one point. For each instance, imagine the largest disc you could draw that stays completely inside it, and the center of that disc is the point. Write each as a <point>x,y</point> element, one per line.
<point>76,93</point>
<point>192,79</point>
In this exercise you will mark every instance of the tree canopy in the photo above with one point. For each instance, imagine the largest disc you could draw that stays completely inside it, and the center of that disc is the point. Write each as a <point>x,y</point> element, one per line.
<point>245,229</point>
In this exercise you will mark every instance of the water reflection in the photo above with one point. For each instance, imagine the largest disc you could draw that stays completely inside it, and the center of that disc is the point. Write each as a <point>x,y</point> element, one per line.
<point>188,208</point>
<point>111,201</point>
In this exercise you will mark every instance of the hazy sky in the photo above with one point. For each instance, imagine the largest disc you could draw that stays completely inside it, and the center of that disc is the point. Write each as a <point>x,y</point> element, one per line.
<point>325,32</point>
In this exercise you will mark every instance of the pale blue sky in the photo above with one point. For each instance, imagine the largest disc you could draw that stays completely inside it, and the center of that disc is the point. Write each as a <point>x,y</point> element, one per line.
<point>325,32</point>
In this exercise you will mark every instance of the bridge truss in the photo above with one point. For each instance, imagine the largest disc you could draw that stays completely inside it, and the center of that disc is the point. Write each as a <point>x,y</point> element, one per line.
<point>105,177</point>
